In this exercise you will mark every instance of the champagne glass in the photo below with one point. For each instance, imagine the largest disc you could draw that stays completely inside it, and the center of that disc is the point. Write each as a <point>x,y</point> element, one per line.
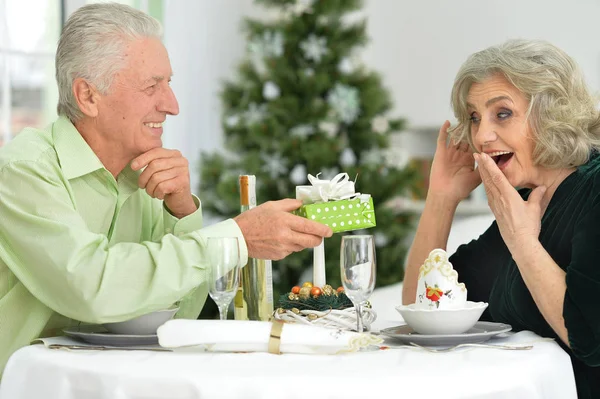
<point>224,257</point>
<point>357,267</point>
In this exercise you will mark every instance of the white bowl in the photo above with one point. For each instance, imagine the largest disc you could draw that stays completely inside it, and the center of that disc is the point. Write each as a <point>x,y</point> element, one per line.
<point>442,321</point>
<point>146,324</point>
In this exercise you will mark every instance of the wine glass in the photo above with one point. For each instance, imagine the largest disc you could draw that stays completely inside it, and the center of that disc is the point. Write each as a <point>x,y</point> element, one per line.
<point>224,257</point>
<point>357,267</point>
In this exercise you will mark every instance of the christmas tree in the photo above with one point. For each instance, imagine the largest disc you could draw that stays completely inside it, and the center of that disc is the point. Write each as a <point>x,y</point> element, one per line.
<point>303,103</point>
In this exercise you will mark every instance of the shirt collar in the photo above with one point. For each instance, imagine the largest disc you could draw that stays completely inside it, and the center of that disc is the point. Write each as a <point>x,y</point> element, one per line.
<point>128,179</point>
<point>75,155</point>
<point>78,159</point>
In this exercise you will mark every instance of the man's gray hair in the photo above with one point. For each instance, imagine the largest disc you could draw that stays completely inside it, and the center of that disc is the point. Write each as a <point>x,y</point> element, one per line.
<point>91,47</point>
<point>562,114</point>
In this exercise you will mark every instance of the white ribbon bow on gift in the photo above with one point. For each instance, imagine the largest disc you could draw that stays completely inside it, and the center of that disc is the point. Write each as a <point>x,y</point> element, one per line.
<point>338,188</point>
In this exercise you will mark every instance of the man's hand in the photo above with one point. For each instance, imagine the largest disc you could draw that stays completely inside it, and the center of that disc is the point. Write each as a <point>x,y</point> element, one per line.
<point>166,177</point>
<point>272,232</point>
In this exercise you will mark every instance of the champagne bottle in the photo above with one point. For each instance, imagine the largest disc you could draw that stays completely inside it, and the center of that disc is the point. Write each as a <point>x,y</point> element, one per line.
<point>254,297</point>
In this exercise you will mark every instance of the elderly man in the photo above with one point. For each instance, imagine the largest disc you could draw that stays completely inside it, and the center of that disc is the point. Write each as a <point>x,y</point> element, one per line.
<point>97,220</point>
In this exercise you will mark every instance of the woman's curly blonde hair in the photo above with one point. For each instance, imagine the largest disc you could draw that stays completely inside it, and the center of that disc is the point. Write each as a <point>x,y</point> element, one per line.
<point>562,113</point>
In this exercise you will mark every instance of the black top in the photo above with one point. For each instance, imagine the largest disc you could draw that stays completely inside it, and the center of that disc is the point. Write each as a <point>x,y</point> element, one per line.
<point>570,232</point>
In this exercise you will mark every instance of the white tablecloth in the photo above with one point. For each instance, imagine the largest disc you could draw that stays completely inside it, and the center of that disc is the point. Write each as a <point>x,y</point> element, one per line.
<point>543,372</point>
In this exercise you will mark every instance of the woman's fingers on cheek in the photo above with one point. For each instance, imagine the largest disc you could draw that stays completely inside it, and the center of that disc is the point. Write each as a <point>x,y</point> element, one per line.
<point>458,146</point>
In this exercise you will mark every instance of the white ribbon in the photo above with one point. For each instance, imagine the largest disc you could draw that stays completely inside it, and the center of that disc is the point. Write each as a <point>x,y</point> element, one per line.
<point>338,188</point>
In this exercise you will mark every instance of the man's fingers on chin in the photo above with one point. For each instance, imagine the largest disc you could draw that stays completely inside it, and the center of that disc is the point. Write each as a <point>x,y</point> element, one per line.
<point>144,178</point>
<point>151,189</point>
<point>170,186</point>
<point>151,193</point>
<point>155,154</point>
<point>142,183</point>
<point>175,153</point>
<point>146,158</point>
<point>160,193</point>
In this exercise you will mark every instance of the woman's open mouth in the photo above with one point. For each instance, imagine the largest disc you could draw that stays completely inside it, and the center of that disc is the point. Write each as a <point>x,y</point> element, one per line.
<point>502,158</point>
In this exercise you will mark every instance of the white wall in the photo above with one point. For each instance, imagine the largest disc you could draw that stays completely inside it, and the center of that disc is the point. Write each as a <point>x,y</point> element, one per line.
<point>417,46</point>
<point>205,44</point>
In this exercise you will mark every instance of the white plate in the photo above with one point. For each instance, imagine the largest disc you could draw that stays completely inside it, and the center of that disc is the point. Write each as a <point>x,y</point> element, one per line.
<point>98,335</point>
<point>480,332</point>
<point>146,324</point>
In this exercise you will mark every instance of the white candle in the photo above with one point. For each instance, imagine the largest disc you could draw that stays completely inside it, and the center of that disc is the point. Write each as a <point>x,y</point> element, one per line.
<point>319,265</point>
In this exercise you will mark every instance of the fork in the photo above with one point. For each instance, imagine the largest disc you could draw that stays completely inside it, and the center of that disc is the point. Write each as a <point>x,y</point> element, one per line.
<point>450,349</point>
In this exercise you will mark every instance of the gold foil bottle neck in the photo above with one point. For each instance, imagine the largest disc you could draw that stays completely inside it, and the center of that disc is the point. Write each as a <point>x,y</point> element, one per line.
<point>247,191</point>
<point>244,190</point>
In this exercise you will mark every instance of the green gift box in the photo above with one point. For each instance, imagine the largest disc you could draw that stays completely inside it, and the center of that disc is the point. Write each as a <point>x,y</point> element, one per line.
<point>341,215</point>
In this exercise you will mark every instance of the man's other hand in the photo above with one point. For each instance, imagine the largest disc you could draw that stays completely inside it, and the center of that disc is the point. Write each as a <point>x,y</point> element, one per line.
<point>272,232</point>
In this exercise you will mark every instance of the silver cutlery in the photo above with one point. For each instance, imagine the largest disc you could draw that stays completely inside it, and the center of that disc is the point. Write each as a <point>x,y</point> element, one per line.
<point>491,346</point>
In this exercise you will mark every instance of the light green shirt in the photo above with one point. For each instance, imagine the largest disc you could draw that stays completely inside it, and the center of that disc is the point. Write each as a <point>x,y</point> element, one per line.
<point>78,245</point>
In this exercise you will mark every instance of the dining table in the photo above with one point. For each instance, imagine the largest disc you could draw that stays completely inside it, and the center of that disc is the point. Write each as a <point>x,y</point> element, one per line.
<point>538,368</point>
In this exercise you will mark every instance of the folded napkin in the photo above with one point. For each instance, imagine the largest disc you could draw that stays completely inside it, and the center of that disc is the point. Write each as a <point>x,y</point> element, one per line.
<point>260,336</point>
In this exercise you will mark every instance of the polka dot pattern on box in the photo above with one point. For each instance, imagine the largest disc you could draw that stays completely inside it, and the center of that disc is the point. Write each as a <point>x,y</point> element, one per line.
<point>343,215</point>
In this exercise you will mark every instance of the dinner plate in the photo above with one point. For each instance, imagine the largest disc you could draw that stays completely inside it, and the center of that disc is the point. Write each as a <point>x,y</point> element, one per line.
<point>98,335</point>
<point>480,332</point>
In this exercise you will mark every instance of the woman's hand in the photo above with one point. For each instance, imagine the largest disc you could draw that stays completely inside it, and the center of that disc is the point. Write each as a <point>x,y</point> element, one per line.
<point>453,173</point>
<point>519,221</point>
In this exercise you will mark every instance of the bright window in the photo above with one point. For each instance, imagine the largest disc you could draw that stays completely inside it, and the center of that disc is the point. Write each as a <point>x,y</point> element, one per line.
<point>29,32</point>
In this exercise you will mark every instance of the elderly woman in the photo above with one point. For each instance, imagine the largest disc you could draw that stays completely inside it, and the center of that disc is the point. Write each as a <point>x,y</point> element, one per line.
<point>527,120</point>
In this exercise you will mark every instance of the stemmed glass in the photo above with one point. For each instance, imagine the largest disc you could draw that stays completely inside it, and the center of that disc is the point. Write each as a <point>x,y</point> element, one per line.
<point>224,257</point>
<point>357,267</point>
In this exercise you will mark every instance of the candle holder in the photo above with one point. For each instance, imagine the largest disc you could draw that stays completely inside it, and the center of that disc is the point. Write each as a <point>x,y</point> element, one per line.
<point>336,204</point>
<point>325,307</point>
<point>344,319</point>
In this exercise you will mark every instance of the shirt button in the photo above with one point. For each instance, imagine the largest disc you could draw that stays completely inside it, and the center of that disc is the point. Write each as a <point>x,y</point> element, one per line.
<point>169,231</point>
